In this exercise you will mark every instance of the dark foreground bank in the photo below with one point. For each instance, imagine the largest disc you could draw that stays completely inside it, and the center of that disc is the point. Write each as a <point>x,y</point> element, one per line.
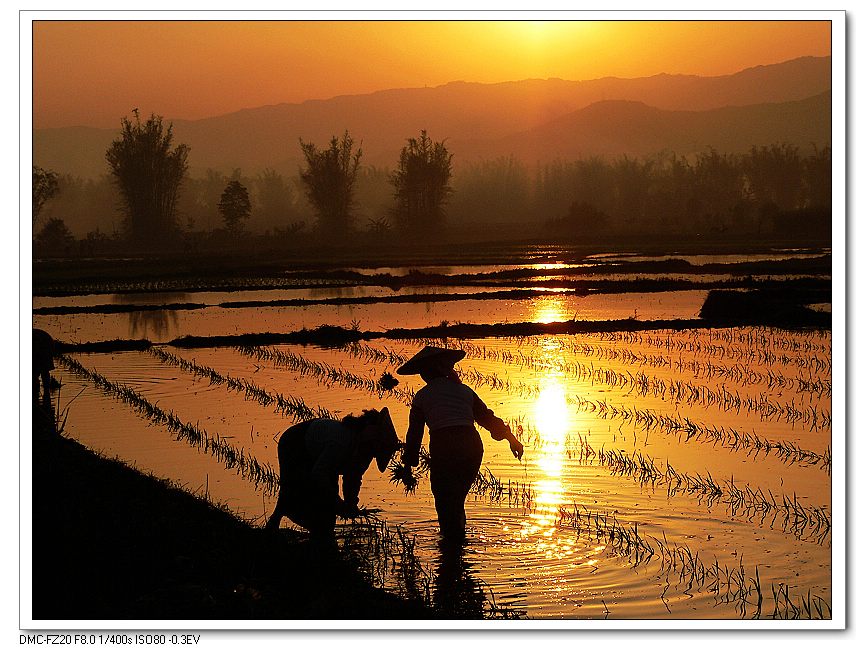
<point>110,543</point>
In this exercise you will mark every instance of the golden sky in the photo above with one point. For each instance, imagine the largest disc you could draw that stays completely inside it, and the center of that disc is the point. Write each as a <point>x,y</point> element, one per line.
<point>95,72</point>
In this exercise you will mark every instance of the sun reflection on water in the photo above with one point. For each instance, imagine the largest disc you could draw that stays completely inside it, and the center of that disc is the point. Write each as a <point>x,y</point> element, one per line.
<point>550,310</point>
<point>553,420</point>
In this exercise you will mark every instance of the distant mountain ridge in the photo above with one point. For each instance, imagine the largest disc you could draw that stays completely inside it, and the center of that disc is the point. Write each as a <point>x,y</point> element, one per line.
<point>631,128</point>
<point>768,103</point>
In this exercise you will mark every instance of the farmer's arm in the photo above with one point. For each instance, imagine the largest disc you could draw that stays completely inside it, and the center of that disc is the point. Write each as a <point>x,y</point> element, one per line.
<point>485,417</point>
<point>496,426</point>
<point>413,436</point>
<point>351,482</point>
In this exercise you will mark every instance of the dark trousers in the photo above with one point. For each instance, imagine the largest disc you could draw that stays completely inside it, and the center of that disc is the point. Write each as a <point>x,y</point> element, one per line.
<point>455,458</point>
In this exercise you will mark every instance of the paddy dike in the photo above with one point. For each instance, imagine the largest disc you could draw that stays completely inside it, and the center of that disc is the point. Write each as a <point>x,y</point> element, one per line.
<point>738,312</point>
<point>110,543</point>
<point>57,279</point>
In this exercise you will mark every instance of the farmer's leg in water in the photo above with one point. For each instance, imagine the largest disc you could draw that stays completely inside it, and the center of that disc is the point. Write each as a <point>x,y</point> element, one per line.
<point>455,458</point>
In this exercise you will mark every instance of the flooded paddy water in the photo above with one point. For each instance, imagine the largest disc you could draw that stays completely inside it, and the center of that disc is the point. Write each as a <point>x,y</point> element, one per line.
<point>668,474</point>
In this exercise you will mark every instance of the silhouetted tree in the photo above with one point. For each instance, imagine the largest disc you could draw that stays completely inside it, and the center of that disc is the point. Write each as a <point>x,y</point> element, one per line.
<point>54,238</point>
<point>45,187</point>
<point>817,181</point>
<point>148,173</point>
<point>94,242</point>
<point>632,182</point>
<point>497,189</point>
<point>584,220</point>
<point>275,200</point>
<point>774,175</point>
<point>560,184</point>
<point>235,206</point>
<point>595,183</point>
<point>198,204</point>
<point>669,193</point>
<point>421,184</point>
<point>718,190</point>
<point>329,182</point>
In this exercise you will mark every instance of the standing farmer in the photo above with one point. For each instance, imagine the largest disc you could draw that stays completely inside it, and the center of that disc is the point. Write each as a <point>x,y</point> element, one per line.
<point>312,457</point>
<point>450,409</point>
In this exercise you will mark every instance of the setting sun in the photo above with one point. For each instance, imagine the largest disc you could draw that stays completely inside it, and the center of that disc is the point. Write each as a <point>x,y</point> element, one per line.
<point>551,411</point>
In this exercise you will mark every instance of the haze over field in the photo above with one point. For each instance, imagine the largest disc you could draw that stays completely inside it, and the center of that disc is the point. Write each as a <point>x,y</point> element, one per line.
<point>533,120</point>
<point>701,123</point>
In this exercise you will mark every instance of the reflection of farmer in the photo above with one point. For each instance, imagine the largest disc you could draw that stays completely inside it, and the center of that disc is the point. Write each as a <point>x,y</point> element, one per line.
<point>450,409</point>
<point>312,457</point>
<point>43,363</point>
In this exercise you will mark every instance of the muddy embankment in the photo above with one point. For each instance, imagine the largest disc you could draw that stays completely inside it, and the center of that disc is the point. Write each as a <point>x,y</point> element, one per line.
<point>110,543</point>
<point>781,308</point>
<point>788,287</point>
<point>134,276</point>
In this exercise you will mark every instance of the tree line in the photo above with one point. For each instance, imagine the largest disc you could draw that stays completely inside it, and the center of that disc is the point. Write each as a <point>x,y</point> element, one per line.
<point>769,190</point>
<point>766,190</point>
<point>148,172</point>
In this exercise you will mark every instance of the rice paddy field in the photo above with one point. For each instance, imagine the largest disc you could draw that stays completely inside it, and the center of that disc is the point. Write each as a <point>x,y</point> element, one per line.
<point>680,473</point>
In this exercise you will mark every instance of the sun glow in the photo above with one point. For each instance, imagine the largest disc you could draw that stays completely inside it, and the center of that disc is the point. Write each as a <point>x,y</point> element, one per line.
<point>547,36</point>
<point>552,419</point>
<point>551,413</point>
<point>550,310</point>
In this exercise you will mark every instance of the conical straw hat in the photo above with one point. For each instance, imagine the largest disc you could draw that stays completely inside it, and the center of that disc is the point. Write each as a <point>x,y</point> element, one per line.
<point>388,441</point>
<point>430,353</point>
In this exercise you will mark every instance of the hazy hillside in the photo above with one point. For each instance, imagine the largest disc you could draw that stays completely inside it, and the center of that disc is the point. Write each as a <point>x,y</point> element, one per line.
<point>635,129</point>
<point>485,119</point>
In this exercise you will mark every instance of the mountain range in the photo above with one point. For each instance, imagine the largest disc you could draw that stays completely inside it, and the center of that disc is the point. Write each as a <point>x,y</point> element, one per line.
<point>533,120</point>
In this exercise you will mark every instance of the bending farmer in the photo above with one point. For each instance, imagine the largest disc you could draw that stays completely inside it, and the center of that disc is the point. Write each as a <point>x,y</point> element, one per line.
<point>312,457</point>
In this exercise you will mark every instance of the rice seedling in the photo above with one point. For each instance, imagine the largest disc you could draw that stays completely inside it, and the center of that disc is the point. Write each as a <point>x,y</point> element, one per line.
<point>409,477</point>
<point>260,474</point>
<point>789,514</point>
<point>728,585</point>
<point>388,557</point>
<point>325,373</point>
<point>729,437</point>
<point>369,353</point>
<point>750,339</point>
<point>485,484</point>
<point>805,606</point>
<point>747,356</point>
<point>491,380</point>
<point>330,374</point>
<point>679,390</point>
<point>386,382</point>
<point>61,415</point>
<point>291,406</point>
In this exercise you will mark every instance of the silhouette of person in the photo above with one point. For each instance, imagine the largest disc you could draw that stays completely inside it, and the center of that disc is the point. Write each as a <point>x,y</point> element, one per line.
<point>312,457</point>
<point>450,409</point>
<point>43,364</point>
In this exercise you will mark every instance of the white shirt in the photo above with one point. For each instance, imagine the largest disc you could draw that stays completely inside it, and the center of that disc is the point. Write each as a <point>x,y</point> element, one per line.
<point>444,403</point>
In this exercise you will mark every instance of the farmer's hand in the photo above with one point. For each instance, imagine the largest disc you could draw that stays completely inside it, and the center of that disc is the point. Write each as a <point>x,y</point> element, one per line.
<point>410,458</point>
<point>517,448</point>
